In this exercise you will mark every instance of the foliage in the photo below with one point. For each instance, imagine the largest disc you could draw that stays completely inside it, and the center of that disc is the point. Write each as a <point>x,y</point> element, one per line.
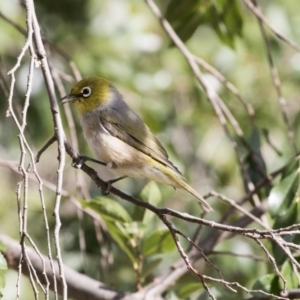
<point>223,16</point>
<point>126,246</point>
<point>3,268</point>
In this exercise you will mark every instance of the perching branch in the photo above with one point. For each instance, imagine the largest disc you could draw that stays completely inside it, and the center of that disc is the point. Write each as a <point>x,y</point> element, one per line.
<point>45,274</point>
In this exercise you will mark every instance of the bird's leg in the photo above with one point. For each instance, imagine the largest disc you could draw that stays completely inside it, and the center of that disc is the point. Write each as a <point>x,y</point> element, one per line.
<point>81,159</point>
<point>109,184</point>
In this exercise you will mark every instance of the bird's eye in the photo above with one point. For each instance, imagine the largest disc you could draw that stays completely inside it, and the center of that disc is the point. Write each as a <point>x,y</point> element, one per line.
<point>86,91</point>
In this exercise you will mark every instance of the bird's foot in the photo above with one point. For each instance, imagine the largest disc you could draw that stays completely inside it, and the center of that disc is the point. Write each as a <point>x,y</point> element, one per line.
<point>81,159</point>
<point>78,162</point>
<point>106,190</point>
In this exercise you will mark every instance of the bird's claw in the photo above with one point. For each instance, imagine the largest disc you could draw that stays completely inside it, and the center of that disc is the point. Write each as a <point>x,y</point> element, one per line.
<point>78,162</point>
<point>109,183</point>
<point>81,159</point>
<point>106,190</point>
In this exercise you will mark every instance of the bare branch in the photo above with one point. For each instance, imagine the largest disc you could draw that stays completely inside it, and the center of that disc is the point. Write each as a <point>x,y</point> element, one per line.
<point>81,287</point>
<point>265,21</point>
<point>59,133</point>
<point>275,78</point>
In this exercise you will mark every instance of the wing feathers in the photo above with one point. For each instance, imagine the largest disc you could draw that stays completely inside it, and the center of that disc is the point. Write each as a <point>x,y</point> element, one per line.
<point>130,128</point>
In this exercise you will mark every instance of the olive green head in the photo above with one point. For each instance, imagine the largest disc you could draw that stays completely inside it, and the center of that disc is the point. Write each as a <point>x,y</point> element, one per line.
<point>89,93</point>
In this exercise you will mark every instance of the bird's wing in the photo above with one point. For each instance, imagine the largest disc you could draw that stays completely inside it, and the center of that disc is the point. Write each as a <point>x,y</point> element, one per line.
<point>128,127</point>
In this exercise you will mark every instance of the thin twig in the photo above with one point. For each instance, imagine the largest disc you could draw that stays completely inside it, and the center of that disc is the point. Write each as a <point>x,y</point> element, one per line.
<point>60,136</point>
<point>275,79</point>
<point>236,206</point>
<point>265,21</point>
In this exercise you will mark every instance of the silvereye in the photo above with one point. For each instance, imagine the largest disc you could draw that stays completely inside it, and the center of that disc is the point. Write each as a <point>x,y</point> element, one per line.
<point>119,138</point>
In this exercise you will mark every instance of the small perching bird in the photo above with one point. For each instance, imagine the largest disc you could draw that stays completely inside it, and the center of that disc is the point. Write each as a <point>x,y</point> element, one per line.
<point>119,137</point>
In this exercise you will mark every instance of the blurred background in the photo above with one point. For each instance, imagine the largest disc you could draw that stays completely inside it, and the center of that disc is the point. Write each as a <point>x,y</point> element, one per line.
<point>123,42</point>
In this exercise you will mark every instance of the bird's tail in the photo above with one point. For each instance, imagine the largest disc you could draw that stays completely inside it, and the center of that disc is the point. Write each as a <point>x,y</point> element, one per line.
<point>176,180</point>
<point>186,187</point>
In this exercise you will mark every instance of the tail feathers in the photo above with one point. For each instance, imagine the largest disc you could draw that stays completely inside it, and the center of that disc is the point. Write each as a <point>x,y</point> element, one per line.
<point>189,189</point>
<point>175,179</point>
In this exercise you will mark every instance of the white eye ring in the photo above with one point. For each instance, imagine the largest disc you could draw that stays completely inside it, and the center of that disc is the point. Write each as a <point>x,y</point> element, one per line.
<point>86,91</point>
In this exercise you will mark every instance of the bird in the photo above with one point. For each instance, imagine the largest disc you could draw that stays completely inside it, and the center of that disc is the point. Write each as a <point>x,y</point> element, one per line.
<point>119,138</point>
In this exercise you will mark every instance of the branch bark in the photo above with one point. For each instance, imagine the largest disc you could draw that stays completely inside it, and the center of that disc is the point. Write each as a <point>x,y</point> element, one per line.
<point>80,286</point>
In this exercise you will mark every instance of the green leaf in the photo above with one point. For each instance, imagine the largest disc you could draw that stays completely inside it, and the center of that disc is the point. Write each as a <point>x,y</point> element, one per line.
<point>3,263</point>
<point>109,209</point>
<point>287,218</point>
<point>118,221</point>
<point>291,167</point>
<point>159,241</point>
<point>275,282</point>
<point>223,15</point>
<point>255,163</point>
<point>275,286</point>
<point>2,279</point>
<point>188,289</point>
<point>265,133</point>
<point>289,275</point>
<point>149,265</point>
<point>122,238</point>
<point>151,194</point>
<point>230,21</point>
<point>181,9</point>
<point>2,246</point>
<point>265,283</point>
<point>283,194</point>
<point>3,267</point>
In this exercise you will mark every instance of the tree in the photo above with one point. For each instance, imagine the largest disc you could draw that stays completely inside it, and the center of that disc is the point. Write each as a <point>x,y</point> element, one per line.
<point>231,129</point>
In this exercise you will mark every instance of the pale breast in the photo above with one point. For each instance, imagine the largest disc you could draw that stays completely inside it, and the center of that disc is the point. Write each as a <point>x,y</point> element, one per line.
<point>124,159</point>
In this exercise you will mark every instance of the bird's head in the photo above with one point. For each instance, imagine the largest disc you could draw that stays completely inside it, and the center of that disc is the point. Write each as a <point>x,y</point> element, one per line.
<point>89,93</point>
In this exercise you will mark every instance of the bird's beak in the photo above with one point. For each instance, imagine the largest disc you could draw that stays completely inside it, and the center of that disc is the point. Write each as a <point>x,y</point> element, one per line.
<point>68,98</point>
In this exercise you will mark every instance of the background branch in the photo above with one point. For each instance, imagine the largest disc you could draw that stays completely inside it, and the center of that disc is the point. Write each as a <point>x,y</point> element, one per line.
<point>80,286</point>
<point>221,129</point>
